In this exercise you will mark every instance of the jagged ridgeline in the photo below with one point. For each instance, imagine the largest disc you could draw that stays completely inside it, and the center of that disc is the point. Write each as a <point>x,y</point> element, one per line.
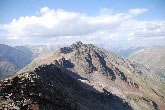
<point>83,77</point>
<point>50,87</point>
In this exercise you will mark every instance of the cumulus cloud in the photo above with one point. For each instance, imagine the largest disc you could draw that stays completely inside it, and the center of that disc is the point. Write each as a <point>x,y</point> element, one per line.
<point>55,23</point>
<point>52,25</point>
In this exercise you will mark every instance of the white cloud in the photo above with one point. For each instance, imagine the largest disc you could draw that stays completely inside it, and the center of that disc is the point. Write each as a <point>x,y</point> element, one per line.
<point>44,10</point>
<point>137,11</point>
<point>53,25</point>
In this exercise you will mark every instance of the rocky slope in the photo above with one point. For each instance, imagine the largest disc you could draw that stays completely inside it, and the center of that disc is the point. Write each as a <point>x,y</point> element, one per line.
<point>151,58</point>
<point>105,71</point>
<point>50,87</point>
<point>12,60</point>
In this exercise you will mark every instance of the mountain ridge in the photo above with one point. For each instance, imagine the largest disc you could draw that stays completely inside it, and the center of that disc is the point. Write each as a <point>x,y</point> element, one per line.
<point>106,72</point>
<point>57,91</point>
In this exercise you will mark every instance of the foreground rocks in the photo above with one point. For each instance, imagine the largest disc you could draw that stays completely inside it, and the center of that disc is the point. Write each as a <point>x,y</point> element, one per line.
<point>49,87</point>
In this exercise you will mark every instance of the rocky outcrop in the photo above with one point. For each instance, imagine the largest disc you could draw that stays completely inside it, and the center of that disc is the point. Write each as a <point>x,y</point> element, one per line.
<point>49,87</point>
<point>105,72</point>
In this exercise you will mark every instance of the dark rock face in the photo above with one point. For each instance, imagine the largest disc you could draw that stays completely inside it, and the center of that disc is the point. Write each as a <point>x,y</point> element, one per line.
<point>87,58</point>
<point>48,87</point>
<point>66,50</point>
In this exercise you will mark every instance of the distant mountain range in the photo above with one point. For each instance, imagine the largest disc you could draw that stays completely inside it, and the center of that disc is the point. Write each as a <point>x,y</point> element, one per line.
<point>37,50</point>
<point>126,52</point>
<point>152,58</point>
<point>84,77</point>
<point>12,59</point>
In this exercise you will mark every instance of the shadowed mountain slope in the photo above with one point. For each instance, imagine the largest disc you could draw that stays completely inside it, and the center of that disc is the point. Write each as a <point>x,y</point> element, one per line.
<point>106,71</point>
<point>50,87</point>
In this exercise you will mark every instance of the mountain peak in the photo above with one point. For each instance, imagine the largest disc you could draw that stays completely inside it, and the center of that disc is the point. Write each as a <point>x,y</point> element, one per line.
<point>102,70</point>
<point>77,44</point>
<point>74,46</point>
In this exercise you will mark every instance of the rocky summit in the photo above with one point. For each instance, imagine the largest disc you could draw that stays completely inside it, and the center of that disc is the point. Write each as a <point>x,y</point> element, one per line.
<point>83,77</point>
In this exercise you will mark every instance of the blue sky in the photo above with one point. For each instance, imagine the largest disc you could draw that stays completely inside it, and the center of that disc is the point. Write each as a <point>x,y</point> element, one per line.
<point>128,22</point>
<point>10,9</point>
